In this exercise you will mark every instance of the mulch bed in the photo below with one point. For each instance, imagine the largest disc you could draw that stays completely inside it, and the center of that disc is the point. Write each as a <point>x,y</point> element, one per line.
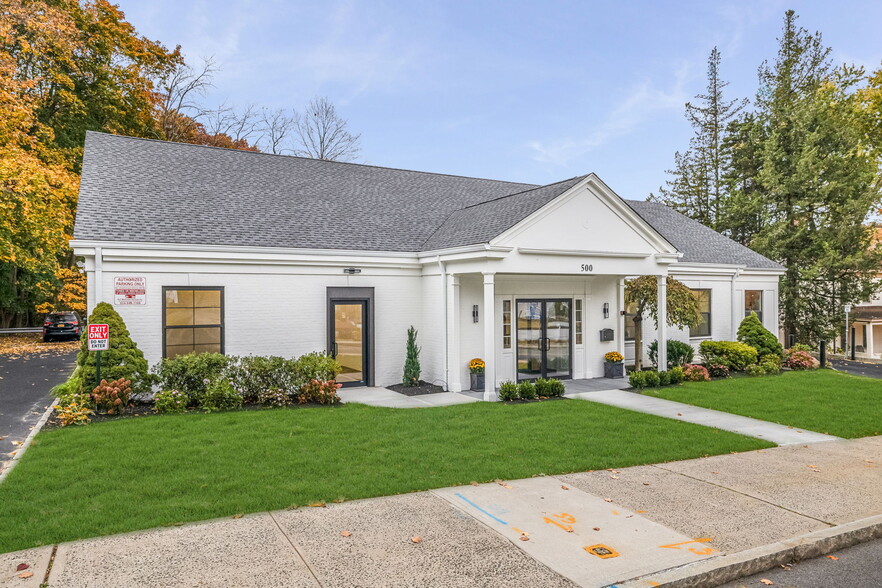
<point>423,388</point>
<point>532,400</point>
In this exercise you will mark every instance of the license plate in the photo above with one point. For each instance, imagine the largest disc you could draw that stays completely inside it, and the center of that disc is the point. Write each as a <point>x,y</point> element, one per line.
<point>60,325</point>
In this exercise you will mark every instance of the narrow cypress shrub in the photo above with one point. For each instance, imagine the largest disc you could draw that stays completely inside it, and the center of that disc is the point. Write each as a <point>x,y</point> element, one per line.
<point>412,362</point>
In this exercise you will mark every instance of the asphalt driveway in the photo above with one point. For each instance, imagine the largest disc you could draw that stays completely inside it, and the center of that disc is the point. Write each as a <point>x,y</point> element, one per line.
<point>858,368</point>
<point>25,381</point>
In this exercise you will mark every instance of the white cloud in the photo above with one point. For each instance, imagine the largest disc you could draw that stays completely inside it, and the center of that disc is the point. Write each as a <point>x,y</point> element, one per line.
<point>642,101</point>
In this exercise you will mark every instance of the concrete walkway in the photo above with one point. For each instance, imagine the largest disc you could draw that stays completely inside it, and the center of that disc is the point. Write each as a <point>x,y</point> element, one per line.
<point>376,396</point>
<point>642,526</point>
<point>772,432</point>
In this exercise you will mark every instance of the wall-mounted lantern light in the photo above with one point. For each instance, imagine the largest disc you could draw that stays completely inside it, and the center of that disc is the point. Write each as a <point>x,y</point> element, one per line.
<point>606,310</point>
<point>474,313</point>
<point>351,270</point>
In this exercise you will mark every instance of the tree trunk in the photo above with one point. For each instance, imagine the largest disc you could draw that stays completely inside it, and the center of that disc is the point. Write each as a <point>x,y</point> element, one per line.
<point>638,342</point>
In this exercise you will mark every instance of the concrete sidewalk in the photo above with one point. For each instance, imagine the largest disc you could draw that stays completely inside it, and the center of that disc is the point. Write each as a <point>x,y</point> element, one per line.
<point>772,432</point>
<point>703,519</point>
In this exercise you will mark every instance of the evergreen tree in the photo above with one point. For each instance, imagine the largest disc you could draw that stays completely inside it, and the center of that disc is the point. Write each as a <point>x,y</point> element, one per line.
<point>698,184</point>
<point>819,184</point>
<point>122,359</point>
<point>412,361</point>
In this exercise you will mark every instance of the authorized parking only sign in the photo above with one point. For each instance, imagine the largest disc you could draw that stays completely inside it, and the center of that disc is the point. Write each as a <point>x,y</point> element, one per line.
<point>99,337</point>
<point>129,291</point>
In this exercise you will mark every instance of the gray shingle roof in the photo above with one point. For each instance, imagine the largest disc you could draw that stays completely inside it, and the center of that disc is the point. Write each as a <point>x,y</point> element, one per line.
<point>149,191</point>
<point>698,243</point>
<point>479,223</point>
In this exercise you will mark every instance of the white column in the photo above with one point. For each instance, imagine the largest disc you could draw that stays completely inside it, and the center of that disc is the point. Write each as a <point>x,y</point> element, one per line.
<point>454,369</point>
<point>662,322</point>
<point>489,337</point>
<point>620,318</point>
<point>868,344</point>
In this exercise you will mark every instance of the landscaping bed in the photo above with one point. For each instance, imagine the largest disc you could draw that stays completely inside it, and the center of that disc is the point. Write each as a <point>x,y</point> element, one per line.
<point>824,401</point>
<point>137,473</point>
<point>418,390</point>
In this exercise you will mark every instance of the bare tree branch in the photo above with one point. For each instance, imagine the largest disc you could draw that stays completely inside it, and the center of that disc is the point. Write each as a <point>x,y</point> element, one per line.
<point>275,126</point>
<point>323,134</point>
<point>179,88</point>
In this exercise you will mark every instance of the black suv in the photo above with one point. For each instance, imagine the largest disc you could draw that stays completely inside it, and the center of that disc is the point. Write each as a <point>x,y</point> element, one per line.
<point>66,324</point>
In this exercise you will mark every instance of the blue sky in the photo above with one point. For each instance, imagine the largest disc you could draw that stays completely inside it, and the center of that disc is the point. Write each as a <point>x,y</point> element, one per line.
<point>523,91</point>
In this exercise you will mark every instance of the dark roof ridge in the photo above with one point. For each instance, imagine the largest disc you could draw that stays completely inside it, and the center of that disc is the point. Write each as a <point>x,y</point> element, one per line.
<point>414,171</point>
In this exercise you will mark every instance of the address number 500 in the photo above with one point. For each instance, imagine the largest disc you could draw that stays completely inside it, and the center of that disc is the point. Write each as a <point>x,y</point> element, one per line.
<point>587,267</point>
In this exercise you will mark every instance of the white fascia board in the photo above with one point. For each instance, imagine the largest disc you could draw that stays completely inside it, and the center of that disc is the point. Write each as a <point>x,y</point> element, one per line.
<point>722,269</point>
<point>582,253</point>
<point>466,252</point>
<point>190,253</point>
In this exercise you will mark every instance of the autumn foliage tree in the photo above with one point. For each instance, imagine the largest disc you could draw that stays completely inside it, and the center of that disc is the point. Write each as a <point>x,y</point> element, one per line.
<point>682,307</point>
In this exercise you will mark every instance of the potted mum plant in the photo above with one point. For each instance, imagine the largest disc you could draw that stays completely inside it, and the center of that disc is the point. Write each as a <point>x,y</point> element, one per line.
<point>613,365</point>
<point>476,374</point>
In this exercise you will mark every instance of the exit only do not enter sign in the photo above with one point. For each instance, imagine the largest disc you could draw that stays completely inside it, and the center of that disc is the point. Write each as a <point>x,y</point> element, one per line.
<point>99,337</point>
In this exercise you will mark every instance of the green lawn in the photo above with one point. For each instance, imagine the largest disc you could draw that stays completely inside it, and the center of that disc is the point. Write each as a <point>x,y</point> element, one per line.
<point>824,401</point>
<point>144,472</point>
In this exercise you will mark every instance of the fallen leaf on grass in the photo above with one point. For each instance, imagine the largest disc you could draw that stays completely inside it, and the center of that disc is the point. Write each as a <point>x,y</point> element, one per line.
<point>237,516</point>
<point>767,582</point>
<point>22,567</point>
<point>416,539</point>
<point>345,533</point>
<point>474,483</point>
<point>318,504</point>
<point>25,575</point>
<point>833,557</point>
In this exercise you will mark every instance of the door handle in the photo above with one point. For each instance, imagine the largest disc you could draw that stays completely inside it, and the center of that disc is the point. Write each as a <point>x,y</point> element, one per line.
<point>334,350</point>
<point>547,343</point>
<point>540,343</point>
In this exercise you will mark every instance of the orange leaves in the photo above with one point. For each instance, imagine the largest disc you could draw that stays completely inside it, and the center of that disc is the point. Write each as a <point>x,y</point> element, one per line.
<point>345,534</point>
<point>767,582</point>
<point>416,539</point>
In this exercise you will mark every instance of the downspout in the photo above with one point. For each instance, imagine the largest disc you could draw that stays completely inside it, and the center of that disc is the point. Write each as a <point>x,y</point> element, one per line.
<point>734,305</point>
<point>443,269</point>
<point>99,278</point>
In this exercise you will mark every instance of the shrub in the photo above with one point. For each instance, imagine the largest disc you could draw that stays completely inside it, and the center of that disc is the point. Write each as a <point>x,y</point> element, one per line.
<point>73,413</point>
<point>752,332</point>
<point>771,364</point>
<point>526,390</point>
<point>316,366</point>
<point>274,397</point>
<point>637,379</point>
<point>677,374</point>
<point>801,347</point>
<point>755,370</point>
<point>220,395</point>
<point>679,353</point>
<point>508,390</point>
<point>541,387</point>
<point>802,360</point>
<point>412,360</point>
<point>170,401</point>
<point>695,373</point>
<point>320,391</point>
<point>122,359</point>
<point>652,379</point>
<point>718,371</point>
<point>256,375</point>
<point>70,389</point>
<point>113,396</point>
<point>732,354</point>
<point>556,389</point>
<point>664,378</point>
<point>191,373</point>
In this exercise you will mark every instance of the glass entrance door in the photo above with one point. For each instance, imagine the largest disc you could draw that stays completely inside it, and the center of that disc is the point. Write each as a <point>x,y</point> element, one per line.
<point>543,335</point>
<point>349,341</point>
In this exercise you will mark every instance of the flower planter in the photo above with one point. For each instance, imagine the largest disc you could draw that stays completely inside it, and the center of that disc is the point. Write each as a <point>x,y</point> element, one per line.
<point>613,369</point>
<point>477,382</point>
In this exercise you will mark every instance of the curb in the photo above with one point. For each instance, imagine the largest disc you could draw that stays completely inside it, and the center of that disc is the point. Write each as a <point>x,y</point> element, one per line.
<point>27,442</point>
<point>726,568</point>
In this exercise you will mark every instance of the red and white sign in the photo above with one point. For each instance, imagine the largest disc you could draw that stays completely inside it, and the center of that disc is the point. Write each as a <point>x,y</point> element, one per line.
<point>99,337</point>
<point>129,291</point>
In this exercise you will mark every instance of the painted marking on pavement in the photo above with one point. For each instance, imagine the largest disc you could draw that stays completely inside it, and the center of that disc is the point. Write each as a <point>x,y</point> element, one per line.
<point>495,518</point>
<point>601,551</point>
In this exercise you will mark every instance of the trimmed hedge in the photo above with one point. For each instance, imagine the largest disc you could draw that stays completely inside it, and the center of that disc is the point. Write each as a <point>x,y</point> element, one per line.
<point>732,354</point>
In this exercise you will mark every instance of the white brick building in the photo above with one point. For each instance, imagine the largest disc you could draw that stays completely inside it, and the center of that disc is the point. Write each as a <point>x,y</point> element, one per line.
<point>249,253</point>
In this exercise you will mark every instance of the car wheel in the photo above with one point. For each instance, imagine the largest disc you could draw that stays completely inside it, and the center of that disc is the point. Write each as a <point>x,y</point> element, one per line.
<point>46,338</point>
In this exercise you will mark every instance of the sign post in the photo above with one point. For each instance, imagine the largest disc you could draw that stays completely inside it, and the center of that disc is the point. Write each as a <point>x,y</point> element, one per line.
<point>99,340</point>
<point>847,310</point>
